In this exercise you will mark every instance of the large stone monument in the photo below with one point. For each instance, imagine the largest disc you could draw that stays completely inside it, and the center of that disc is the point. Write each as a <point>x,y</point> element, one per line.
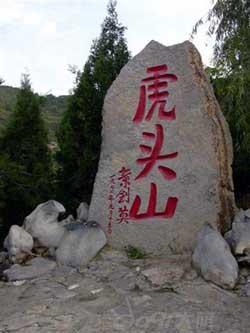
<point>165,165</point>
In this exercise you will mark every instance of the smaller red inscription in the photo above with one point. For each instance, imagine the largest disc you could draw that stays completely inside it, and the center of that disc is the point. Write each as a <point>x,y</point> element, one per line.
<point>124,177</point>
<point>123,195</point>
<point>111,207</point>
<point>123,215</point>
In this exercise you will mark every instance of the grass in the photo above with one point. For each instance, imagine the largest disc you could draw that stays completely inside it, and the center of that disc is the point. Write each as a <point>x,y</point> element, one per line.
<point>135,253</point>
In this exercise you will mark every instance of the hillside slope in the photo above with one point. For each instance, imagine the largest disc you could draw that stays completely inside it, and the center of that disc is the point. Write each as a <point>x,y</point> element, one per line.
<point>52,109</point>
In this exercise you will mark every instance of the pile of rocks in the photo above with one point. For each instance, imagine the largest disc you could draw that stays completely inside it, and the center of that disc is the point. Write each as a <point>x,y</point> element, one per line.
<point>216,258</point>
<point>46,238</point>
<point>67,241</point>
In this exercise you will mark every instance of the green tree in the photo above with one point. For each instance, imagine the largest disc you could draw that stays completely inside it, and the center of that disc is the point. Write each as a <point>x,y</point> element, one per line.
<point>1,81</point>
<point>79,136</point>
<point>25,162</point>
<point>229,21</point>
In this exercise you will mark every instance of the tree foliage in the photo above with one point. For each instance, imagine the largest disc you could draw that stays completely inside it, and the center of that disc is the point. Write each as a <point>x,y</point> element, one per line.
<point>229,21</point>
<point>79,136</point>
<point>25,162</point>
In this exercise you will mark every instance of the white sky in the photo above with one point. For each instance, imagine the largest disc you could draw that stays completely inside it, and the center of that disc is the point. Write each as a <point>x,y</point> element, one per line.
<point>44,36</point>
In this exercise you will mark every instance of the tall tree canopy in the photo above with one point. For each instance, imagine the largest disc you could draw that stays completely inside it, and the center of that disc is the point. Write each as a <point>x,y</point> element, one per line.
<point>26,168</point>
<point>79,136</point>
<point>230,23</point>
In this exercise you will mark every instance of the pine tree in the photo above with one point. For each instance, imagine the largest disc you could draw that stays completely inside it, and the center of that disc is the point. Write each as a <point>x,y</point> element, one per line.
<point>79,136</point>
<point>26,167</point>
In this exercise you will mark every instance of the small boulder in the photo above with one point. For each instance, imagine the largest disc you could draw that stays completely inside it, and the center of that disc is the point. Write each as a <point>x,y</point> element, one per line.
<point>213,259</point>
<point>19,243</point>
<point>239,217</point>
<point>83,212</point>
<point>239,236</point>
<point>43,224</point>
<point>245,290</point>
<point>80,244</point>
<point>33,269</point>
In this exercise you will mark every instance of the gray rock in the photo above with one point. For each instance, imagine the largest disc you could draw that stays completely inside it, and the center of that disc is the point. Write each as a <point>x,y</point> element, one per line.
<point>213,259</point>
<point>239,216</point>
<point>247,213</point>
<point>43,224</point>
<point>19,243</point>
<point>229,239</point>
<point>80,244</point>
<point>3,257</point>
<point>245,290</point>
<point>33,269</point>
<point>242,216</point>
<point>240,237</point>
<point>83,212</point>
<point>200,177</point>
<point>159,276</point>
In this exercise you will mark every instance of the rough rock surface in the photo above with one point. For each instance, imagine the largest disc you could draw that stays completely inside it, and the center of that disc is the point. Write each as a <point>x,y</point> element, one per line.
<point>212,257</point>
<point>112,296</point>
<point>19,243</point>
<point>239,236</point>
<point>35,268</point>
<point>199,176</point>
<point>80,244</point>
<point>83,212</point>
<point>43,224</point>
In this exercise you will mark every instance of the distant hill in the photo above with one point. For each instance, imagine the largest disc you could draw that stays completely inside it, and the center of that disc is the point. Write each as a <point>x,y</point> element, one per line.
<point>52,109</point>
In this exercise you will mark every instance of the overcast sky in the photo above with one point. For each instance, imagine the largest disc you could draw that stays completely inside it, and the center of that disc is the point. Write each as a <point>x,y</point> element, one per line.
<point>44,36</point>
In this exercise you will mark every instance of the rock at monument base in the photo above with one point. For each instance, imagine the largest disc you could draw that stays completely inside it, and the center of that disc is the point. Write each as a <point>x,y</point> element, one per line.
<point>33,269</point>
<point>213,259</point>
<point>80,244</point>
<point>43,224</point>
<point>83,212</point>
<point>165,164</point>
<point>19,243</point>
<point>240,217</point>
<point>245,290</point>
<point>239,236</point>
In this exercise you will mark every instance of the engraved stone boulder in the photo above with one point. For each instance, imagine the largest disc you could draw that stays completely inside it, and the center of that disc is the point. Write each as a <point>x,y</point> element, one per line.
<point>165,164</point>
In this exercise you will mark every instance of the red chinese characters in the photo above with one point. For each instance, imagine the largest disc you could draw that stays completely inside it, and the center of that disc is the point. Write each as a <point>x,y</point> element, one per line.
<point>151,210</point>
<point>153,91</point>
<point>154,88</point>
<point>155,155</point>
